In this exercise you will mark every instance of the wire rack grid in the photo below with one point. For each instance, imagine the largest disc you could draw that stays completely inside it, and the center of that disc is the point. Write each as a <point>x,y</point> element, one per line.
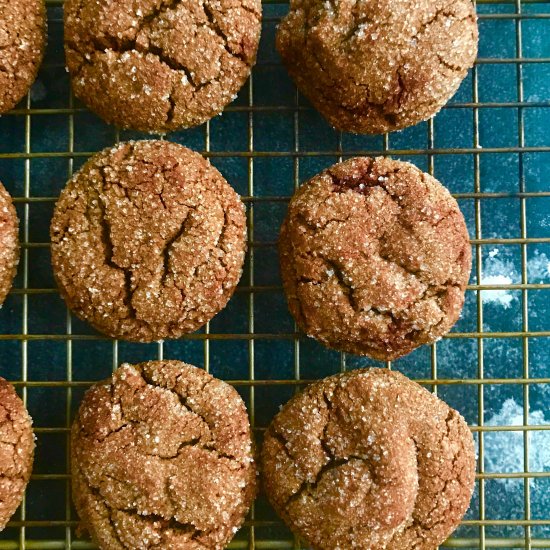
<point>490,145</point>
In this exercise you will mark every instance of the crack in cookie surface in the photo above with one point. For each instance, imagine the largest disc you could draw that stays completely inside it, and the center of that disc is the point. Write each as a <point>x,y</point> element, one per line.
<point>136,443</point>
<point>148,241</point>
<point>158,65</point>
<point>399,473</point>
<point>375,258</point>
<point>374,67</point>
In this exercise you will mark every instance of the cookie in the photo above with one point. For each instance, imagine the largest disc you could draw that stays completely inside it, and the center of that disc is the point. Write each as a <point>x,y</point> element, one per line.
<point>16,451</point>
<point>22,44</point>
<point>157,65</point>
<point>375,67</point>
<point>369,459</point>
<point>148,241</point>
<point>9,242</point>
<point>162,458</point>
<point>375,258</point>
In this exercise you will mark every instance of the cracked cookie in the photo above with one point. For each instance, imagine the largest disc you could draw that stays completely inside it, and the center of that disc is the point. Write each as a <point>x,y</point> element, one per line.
<point>375,67</point>
<point>375,258</point>
<point>22,44</point>
<point>148,241</point>
<point>16,451</point>
<point>160,65</point>
<point>369,460</point>
<point>162,458</point>
<point>9,243</point>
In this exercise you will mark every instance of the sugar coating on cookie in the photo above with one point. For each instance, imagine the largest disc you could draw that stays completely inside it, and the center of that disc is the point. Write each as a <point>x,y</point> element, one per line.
<point>16,451</point>
<point>375,258</point>
<point>148,241</point>
<point>375,67</point>
<point>369,459</point>
<point>162,458</point>
<point>22,44</point>
<point>157,65</point>
<point>9,243</point>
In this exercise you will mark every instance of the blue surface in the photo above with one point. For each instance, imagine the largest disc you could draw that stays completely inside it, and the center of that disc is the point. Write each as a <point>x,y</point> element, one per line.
<point>272,354</point>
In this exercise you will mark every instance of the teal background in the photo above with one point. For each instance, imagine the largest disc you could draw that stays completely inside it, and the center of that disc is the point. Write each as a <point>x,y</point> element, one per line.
<point>490,146</point>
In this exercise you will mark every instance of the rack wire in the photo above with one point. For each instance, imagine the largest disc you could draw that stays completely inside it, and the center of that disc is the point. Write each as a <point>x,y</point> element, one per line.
<point>52,358</point>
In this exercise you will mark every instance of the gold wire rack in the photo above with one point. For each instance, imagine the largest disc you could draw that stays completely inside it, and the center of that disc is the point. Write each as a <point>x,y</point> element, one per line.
<point>262,530</point>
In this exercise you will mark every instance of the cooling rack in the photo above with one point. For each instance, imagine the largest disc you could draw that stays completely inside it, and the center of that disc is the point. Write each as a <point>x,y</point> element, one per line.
<point>490,146</point>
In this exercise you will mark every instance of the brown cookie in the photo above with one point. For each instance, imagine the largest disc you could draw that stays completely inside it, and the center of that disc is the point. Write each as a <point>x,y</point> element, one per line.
<point>9,242</point>
<point>162,458</point>
<point>160,65</point>
<point>16,451</point>
<point>148,241</point>
<point>375,67</point>
<point>375,258</point>
<point>22,44</point>
<point>369,460</point>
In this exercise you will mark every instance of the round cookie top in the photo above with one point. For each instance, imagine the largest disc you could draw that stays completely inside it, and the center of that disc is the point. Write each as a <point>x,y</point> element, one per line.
<point>162,457</point>
<point>16,451</point>
<point>375,258</point>
<point>369,459</point>
<point>22,44</point>
<point>160,65</point>
<point>148,241</point>
<point>374,67</point>
<point>9,242</point>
